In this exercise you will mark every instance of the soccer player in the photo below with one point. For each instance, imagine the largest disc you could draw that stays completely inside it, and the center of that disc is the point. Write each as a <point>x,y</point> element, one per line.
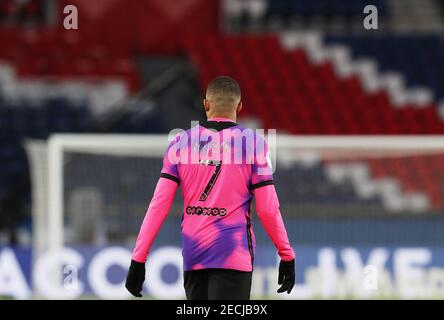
<point>218,239</point>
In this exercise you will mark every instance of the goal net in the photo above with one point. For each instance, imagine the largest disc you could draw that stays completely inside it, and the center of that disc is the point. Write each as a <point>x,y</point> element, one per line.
<point>94,189</point>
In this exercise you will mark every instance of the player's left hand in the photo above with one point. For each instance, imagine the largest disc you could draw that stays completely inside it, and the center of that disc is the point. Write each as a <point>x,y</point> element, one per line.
<point>135,278</point>
<point>287,277</point>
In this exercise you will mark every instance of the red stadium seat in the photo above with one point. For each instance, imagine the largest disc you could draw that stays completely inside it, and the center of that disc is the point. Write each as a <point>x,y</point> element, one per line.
<point>339,106</point>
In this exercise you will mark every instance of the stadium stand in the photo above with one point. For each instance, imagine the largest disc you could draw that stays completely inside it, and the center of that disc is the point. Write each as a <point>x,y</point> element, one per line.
<point>415,174</point>
<point>13,12</point>
<point>408,55</point>
<point>273,76</point>
<point>335,83</point>
<point>305,14</point>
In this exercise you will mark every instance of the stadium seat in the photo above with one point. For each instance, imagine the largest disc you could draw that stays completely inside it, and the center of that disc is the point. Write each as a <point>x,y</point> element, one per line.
<point>315,100</point>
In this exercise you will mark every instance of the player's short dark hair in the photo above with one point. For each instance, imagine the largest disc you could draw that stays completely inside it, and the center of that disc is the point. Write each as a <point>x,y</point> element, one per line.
<point>224,90</point>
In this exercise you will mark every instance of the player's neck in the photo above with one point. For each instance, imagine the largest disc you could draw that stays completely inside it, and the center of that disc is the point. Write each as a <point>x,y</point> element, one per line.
<point>221,117</point>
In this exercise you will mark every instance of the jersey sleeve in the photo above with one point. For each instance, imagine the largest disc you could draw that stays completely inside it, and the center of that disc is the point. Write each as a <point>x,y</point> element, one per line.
<point>267,203</point>
<point>160,204</point>
<point>267,207</point>
<point>262,170</point>
<point>170,161</point>
<point>157,211</point>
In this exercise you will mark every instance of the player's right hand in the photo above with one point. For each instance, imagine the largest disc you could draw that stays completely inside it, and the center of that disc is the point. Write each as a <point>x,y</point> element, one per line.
<point>287,276</point>
<point>135,278</point>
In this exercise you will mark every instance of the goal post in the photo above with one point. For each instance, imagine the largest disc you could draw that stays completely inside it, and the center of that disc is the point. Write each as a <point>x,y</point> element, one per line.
<point>47,160</point>
<point>92,188</point>
<point>288,147</point>
<point>128,145</point>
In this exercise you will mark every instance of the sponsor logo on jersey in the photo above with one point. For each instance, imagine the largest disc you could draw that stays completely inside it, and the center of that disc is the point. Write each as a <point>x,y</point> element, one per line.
<point>206,211</point>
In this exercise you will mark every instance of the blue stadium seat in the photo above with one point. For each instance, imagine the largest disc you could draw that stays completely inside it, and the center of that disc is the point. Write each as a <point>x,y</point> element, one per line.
<point>323,7</point>
<point>409,55</point>
<point>311,186</point>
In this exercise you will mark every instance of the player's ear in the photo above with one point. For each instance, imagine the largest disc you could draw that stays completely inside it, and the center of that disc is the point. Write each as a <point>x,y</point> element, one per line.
<point>239,107</point>
<point>206,105</point>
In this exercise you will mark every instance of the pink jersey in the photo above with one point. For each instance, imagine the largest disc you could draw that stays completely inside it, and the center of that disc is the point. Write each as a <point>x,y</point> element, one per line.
<point>218,177</point>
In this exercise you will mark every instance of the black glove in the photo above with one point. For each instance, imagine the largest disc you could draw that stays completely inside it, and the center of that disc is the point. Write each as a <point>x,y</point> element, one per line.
<point>287,276</point>
<point>135,278</point>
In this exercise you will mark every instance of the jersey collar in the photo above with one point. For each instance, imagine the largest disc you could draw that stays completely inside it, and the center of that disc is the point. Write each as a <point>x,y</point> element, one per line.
<point>219,124</point>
